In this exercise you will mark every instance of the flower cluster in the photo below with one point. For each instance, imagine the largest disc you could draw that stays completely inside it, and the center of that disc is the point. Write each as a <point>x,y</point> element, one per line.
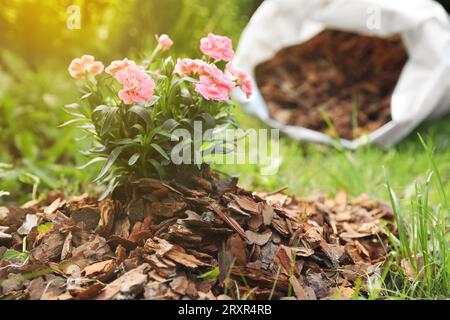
<point>86,64</point>
<point>132,108</point>
<point>213,84</point>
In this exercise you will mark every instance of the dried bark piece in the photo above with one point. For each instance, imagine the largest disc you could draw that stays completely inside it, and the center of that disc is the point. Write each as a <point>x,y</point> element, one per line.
<point>284,257</point>
<point>183,233</point>
<point>276,200</point>
<point>31,221</point>
<point>67,247</point>
<point>337,254</point>
<point>135,211</point>
<point>410,271</point>
<point>302,251</point>
<point>36,288</point>
<point>164,268</point>
<point>195,220</point>
<point>267,213</point>
<point>179,256</point>
<point>281,226</point>
<point>233,206</point>
<point>5,237</point>
<point>10,216</point>
<point>163,248</point>
<point>247,204</point>
<point>131,284</point>
<point>94,250</point>
<point>341,293</point>
<point>122,228</point>
<point>108,211</point>
<point>299,291</point>
<point>167,209</point>
<point>319,284</point>
<point>121,253</point>
<point>55,205</point>
<point>89,293</point>
<point>238,248</point>
<point>229,220</point>
<point>158,291</point>
<point>268,253</point>
<point>258,238</point>
<point>255,222</point>
<point>101,271</point>
<point>50,248</point>
<point>158,246</point>
<point>116,241</point>
<point>261,278</point>
<point>148,184</point>
<point>203,183</point>
<point>312,236</point>
<point>180,285</point>
<point>86,216</point>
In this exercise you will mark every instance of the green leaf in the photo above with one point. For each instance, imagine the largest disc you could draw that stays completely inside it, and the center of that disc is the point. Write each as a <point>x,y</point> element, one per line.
<point>134,158</point>
<point>113,183</point>
<point>101,108</point>
<point>77,120</point>
<point>4,193</point>
<point>160,151</point>
<point>110,117</point>
<point>4,166</point>
<point>209,120</point>
<point>122,142</point>
<point>210,275</point>
<point>29,178</point>
<point>142,112</point>
<point>111,159</point>
<point>91,162</point>
<point>72,110</point>
<point>157,166</point>
<point>45,227</point>
<point>139,128</point>
<point>87,95</point>
<point>170,125</point>
<point>11,254</point>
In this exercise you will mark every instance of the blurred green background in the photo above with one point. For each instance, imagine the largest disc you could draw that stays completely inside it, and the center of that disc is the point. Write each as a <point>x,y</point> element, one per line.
<point>37,46</point>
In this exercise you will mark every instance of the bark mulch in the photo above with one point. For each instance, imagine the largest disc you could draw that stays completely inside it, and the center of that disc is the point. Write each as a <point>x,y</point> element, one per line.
<point>349,76</point>
<point>204,239</point>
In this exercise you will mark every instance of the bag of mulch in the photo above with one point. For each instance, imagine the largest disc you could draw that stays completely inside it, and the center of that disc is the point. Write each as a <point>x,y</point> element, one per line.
<point>361,71</point>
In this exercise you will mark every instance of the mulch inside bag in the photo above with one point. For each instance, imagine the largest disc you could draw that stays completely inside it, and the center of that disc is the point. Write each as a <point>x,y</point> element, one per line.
<point>203,239</point>
<point>339,77</point>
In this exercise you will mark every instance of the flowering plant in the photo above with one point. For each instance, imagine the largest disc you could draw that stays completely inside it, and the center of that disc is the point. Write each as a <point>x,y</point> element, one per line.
<point>133,110</point>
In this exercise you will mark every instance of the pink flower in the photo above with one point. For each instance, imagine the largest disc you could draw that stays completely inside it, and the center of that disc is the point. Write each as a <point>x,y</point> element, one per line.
<point>187,67</point>
<point>79,66</point>
<point>212,90</point>
<point>137,85</point>
<point>211,71</point>
<point>217,47</point>
<point>164,41</point>
<point>118,65</point>
<point>242,79</point>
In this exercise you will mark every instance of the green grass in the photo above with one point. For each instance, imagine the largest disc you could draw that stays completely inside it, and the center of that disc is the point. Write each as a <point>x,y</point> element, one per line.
<point>307,168</point>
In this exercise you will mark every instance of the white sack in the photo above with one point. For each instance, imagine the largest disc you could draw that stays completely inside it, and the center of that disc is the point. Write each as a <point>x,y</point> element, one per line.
<point>423,90</point>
